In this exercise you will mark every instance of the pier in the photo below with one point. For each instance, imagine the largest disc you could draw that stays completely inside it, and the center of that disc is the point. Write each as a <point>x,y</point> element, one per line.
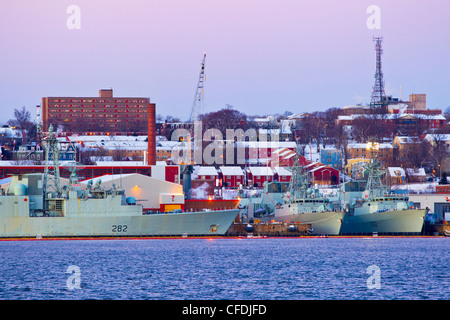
<point>268,229</point>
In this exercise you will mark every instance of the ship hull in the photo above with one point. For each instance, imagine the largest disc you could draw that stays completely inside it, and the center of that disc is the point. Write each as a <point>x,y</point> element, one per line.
<point>322,223</point>
<point>392,222</point>
<point>172,224</point>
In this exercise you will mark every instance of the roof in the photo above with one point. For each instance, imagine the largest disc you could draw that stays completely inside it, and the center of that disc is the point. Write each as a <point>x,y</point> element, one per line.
<point>231,171</point>
<point>313,164</point>
<point>364,146</point>
<point>119,163</point>
<point>408,139</point>
<point>268,144</point>
<point>324,167</point>
<point>282,171</point>
<point>396,171</point>
<point>438,136</point>
<point>261,171</point>
<point>415,171</point>
<point>206,171</point>
<point>393,116</point>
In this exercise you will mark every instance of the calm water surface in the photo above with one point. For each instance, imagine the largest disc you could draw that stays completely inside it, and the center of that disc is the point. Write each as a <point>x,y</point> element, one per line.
<point>272,269</point>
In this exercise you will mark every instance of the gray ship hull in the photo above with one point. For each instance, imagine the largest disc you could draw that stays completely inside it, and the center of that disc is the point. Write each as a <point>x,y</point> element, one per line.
<point>322,223</point>
<point>172,224</point>
<point>390,222</point>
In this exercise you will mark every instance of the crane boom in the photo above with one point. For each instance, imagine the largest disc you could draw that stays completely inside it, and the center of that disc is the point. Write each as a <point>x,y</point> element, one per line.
<point>198,106</point>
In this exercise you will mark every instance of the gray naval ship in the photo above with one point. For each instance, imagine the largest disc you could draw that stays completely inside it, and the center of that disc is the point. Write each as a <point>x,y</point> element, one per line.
<point>296,202</point>
<point>305,205</point>
<point>34,205</point>
<point>378,212</point>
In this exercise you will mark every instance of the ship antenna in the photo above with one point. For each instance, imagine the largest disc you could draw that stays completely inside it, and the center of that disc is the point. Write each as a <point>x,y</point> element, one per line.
<point>297,182</point>
<point>51,173</point>
<point>374,178</point>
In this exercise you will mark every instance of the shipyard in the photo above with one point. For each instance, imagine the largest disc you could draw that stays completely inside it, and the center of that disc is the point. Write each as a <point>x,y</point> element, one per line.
<point>224,152</point>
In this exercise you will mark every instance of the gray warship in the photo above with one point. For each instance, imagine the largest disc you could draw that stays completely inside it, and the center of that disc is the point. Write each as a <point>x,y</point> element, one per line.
<point>305,205</point>
<point>35,205</point>
<point>378,212</point>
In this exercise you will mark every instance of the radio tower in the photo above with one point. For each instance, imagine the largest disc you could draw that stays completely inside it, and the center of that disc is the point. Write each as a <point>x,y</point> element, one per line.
<point>378,100</point>
<point>199,102</point>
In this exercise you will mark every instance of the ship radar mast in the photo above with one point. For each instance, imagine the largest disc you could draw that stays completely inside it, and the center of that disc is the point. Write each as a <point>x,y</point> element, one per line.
<point>299,181</point>
<point>51,173</point>
<point>375,187</point>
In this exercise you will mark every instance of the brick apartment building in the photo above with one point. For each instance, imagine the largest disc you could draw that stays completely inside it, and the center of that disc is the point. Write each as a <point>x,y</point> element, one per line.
<point>102,114</point>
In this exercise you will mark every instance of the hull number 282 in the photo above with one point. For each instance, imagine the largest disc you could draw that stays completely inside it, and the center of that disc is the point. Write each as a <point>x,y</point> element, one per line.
<point>119,228</point>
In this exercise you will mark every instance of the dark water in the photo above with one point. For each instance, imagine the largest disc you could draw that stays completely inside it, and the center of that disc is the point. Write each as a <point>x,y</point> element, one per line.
<point>244,269</point>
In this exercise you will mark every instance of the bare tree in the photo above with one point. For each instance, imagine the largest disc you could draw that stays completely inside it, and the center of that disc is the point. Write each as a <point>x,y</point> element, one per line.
<point>439,148</point>
<point>22,121</point>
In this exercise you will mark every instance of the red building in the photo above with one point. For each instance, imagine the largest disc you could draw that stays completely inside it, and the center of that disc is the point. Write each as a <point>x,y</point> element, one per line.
<point>232,177</point>
<point>322,174</point>
<point>256,176</point>
<point>206,173</point>
<point>282,174</point>
<point>105,113</point>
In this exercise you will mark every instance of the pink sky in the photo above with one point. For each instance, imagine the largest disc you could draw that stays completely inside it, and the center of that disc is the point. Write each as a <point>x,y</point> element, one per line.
<point>262,56</point>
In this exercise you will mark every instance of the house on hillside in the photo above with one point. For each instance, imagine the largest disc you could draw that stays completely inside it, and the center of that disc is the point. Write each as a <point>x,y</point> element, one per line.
<point>396,175</point>
<point>331,157</point>
<point>322,174</point>
<point>416,175</point>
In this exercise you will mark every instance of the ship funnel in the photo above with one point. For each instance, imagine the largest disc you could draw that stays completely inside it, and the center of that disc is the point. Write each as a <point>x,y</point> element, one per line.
<point>188,170</point>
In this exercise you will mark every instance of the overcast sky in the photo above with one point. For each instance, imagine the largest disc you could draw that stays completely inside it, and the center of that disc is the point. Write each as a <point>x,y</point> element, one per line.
<point>263,56</point>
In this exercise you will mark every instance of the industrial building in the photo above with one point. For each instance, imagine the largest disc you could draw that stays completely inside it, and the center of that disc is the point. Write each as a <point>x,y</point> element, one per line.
<point>153,194</point>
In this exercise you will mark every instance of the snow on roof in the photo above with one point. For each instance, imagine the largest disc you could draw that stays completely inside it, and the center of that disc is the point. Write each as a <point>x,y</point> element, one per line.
<point>440,137</point>
<point>289,156</point>
<point>119,163</point>
<point>345,118</point>
<point>205,171</point>
<point>296,115</point>
<point>261,171</point>
<point>365,145</point>
<point>268,144</point>
<point>408,139</point>
<point>231,171</point>
<point>321,167</point>
<point>415,171</point>
<point>282,171</point>
<point>396,171</point>
<point>314,164</point>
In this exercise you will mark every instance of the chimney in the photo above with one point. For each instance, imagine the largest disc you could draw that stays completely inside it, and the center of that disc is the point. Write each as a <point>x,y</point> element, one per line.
<point>151,149</point>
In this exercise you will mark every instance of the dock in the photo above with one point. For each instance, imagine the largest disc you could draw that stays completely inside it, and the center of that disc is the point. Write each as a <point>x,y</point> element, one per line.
<point>268,229</point>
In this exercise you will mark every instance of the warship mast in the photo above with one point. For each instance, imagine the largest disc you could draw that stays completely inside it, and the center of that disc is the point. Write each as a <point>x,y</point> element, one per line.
<point>51,172</point>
